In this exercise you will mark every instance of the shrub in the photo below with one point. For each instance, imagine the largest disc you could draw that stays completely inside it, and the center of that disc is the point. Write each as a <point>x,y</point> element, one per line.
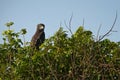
<point>60,57</point>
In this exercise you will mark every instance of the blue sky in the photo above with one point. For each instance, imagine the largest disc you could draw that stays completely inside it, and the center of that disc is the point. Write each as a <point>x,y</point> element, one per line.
<point>28,13</point>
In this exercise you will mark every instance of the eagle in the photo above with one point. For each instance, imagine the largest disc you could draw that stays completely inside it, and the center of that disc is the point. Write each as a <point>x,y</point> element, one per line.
<point>39,36</point>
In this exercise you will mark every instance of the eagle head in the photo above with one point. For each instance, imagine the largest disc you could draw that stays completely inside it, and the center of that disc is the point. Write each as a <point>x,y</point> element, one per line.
<point>40,27</point>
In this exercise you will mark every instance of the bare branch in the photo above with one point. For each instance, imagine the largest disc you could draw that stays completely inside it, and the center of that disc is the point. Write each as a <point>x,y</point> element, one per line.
<point>98,32</point>
<point>110,29</point>
<point>70,21</point>
<point>83,22</point>
<point>69,27</point>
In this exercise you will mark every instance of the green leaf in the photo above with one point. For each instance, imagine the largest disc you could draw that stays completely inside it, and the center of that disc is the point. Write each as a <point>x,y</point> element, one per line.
<point>9,24</point>
<point>23,31</point>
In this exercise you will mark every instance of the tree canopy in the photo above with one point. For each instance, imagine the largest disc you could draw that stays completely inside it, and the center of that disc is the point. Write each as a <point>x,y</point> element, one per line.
<point>78,57</point>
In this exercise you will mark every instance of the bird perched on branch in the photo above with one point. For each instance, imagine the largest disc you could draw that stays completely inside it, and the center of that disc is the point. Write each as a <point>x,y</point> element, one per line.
<point>39,36</point>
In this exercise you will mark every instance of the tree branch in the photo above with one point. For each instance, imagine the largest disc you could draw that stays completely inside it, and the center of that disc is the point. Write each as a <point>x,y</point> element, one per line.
<point>69,27</point>
<point>98,32</point>
<point>110,29</point>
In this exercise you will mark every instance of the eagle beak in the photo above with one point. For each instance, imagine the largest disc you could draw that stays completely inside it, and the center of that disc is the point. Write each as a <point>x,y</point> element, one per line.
<point>41,27</point>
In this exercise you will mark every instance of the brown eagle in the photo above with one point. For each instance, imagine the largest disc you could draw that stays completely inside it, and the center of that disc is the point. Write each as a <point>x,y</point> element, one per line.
<point>39,36</point>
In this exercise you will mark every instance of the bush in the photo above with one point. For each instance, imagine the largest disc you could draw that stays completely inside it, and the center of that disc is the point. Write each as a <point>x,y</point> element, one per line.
<point>60,57</point>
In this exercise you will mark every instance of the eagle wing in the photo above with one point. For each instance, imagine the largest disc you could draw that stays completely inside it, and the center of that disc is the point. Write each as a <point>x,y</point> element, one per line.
<point>38,39</point>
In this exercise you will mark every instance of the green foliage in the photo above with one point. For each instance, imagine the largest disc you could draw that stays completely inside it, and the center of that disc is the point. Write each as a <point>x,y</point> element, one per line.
<point>23,31</point>
<point>60,57</point>
<point>9,24</point>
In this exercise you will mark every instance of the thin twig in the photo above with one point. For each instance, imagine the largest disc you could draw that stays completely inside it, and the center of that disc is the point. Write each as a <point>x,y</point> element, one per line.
<point>69,27</point>
<point>98,32</point>
<point>110,29</point>
<point>83,22</point>
<point>70,21</point>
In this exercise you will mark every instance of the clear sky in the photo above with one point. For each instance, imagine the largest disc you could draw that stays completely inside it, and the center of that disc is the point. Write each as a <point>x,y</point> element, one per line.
<point>28,13</point>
